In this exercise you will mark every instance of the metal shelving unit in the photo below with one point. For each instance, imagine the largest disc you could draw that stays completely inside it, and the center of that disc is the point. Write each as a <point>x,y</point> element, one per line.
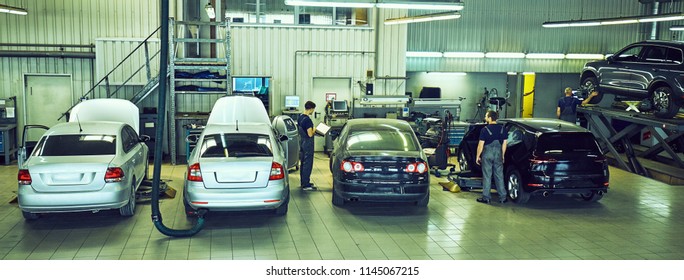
<point>219,64</point>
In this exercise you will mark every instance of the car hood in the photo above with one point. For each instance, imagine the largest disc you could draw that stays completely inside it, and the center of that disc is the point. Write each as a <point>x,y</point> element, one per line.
<point>109,109</point>
<point>232,109</point>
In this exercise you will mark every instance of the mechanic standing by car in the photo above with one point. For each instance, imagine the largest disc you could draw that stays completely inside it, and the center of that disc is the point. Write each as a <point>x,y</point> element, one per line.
<point>306,145</point>
<point>490,154</point>
<point>567,105</point>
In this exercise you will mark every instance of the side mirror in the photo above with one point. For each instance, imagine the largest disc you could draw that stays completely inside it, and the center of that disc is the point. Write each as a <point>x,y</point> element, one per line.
<point>283,138</point>
<point>144,138</point>
<point>192,138</point>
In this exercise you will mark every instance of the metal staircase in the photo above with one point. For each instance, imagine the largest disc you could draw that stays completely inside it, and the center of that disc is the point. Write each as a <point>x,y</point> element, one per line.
<point>206,78</point>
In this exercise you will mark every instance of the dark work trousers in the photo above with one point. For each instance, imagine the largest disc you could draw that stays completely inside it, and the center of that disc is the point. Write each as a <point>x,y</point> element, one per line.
<point>306,156</point>
<point>492,164</point>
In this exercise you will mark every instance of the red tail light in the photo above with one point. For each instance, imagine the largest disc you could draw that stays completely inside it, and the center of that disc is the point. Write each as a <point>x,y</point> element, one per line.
<point>535,185</point>
<point>24,177</point>
<point>114,174</point>
<point>416,167</point>
<point>194,173</point>
<point>604,184</point>
<point>351,166</point>
<point>277,172</point>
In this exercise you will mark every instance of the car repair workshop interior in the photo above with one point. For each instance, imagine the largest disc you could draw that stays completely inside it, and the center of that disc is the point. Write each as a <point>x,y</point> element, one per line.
<point>181,130</point>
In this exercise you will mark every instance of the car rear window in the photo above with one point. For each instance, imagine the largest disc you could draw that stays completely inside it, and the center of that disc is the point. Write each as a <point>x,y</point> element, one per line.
<point>566,143</point>
<point>387,140</point>
<point>236,145</point>
<point>77,145</point>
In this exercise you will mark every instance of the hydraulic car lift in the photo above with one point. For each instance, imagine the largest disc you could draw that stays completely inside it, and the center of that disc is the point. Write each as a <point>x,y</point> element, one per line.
<point>599,121</point>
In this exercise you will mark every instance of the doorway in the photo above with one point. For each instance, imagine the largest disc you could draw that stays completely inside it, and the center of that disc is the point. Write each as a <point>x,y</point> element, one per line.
<point>46,98</point>
<point>341,86</point>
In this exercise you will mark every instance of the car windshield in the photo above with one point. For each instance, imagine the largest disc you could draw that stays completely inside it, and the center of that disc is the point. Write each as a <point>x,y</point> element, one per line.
<point>386,140</point>
<point>76,145</point>
<point>236,145</point>
<point>564,143</point>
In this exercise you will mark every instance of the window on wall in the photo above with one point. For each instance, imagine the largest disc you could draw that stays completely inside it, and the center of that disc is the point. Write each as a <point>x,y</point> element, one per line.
<point>276,12</point>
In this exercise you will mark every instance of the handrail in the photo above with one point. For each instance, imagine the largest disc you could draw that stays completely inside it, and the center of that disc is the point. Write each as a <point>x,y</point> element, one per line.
<point>106,77</point>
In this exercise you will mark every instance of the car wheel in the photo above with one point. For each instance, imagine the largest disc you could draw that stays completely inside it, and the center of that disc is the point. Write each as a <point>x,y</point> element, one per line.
<point>589,84</point>
<point>663,103</point>
<point>514,186</point>
<point>462,162</point>
<point>129,209</point>
<point>337,200</point>
<point>30,216</point>
<point>592,196</point>
<point>282,209</point>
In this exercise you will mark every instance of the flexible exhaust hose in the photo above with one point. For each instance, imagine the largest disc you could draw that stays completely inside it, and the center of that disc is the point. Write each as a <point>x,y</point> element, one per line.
<point>161,113</point>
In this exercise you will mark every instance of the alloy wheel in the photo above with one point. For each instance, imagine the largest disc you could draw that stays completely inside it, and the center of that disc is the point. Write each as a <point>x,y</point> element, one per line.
<point>513,186</point>
<point>661,100</point>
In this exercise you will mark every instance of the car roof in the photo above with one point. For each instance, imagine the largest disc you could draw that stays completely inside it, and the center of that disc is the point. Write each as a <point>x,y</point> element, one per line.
<point>88,127</point>
<point>660,42</point>
<point>246,127</point>
<point>545,125</point>
<point>378,124</point>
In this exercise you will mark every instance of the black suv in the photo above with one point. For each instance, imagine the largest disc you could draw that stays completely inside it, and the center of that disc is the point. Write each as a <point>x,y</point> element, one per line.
<point>645,70</point>
<point>543,156</point>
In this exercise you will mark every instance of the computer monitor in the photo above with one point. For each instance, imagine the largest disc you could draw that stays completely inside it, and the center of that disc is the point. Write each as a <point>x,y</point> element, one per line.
<point>292,102</point>
<point>339,106</point>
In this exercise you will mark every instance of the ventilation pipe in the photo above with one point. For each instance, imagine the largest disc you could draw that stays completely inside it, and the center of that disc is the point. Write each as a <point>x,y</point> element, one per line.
<point>161,114</point>
<point>654,25</point>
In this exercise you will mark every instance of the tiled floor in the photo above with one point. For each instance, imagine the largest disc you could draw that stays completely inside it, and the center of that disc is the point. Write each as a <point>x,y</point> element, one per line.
<point>638,219</point>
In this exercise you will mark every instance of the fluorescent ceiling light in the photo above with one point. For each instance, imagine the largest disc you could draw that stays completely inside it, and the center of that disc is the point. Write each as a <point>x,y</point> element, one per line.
<point>457,6</point>
<point>423,18</point>
<point>528,73</point>
<point>511,73</point>
<point>423,54</point>
<point>504,55</point>
<point>13,10</point>
<point>210,11</point>
<point>385,4</point>
<point>448,73</point>
<point>545,55</point>
<point>677,28</point>
<point>583,56</point>
<point>315,3</point>
<point>613,21</point>
<point>464,54</point>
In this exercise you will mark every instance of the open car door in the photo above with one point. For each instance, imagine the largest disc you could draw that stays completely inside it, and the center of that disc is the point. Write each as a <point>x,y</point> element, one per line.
<point>28,143</point>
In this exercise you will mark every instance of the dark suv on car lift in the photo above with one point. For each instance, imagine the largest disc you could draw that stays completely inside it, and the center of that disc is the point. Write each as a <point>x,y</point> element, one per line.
<point>649,70</point>
<point>543,156</point>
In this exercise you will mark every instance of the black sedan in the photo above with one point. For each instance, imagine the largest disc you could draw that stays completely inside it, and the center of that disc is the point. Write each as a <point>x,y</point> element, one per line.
<point>543,156</point>
<point>379,160</point>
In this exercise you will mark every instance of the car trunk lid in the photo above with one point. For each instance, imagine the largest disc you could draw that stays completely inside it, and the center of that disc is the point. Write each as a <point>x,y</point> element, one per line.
<point>385,167</point>
<point>236,172</point>
<point>65,174</point>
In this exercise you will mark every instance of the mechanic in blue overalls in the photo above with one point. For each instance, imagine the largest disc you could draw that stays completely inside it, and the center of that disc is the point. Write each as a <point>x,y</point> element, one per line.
<point>567,105</point>
<point>490,155</point>
<point>306,145</point>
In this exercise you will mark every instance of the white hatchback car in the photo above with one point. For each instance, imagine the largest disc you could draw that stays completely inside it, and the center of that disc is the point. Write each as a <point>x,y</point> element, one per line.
<point>239,162</point>
<point>94,162</point>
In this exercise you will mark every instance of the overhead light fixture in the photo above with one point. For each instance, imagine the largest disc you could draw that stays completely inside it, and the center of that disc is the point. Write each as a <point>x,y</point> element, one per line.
<point>504,55</point>
<point>613,21</point>
<point>13,10</point>
<point>210,11</point>
<point>423,18</point>
<point>385,4</point>
<point>447,73</point>
<point>414,5</point>
<point>545,56</point>
<point>511,73</point>
<point>423,54</point>
<point>464,54</point>
<point>328,3</point>
<point>677,28</point>
<point>583,56</point>
<point>529,73</point>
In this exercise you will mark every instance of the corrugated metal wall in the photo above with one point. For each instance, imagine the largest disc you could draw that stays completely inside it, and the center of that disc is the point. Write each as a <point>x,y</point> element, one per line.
<point>516,26</point>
